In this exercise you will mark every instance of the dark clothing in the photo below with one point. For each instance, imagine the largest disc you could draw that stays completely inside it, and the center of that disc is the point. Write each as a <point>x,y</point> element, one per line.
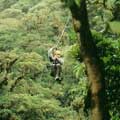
<point>50,58</point>
<point>56,70</point>
<point>56,65</point>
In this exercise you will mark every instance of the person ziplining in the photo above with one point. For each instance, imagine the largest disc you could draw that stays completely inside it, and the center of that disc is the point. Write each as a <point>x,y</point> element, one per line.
<point>57,61</point>
<point>55,57</point>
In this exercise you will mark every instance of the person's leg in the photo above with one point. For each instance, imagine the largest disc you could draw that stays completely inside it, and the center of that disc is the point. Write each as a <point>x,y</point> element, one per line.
<point>58,71</point>
<point>53,70</point>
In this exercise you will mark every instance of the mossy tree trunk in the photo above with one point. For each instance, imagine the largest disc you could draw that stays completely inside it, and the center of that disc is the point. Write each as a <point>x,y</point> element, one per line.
<point>91,60</point>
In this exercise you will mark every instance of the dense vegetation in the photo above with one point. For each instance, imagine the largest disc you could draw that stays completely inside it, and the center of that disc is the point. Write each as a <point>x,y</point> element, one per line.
<point>28,28</point>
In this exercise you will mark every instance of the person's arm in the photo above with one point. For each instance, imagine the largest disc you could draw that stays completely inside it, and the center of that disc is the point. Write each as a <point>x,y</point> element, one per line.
<point>50,53</point>
<point>60,60</point>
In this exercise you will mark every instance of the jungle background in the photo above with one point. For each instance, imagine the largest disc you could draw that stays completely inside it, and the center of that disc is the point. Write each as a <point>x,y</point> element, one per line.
<point>28,28</point>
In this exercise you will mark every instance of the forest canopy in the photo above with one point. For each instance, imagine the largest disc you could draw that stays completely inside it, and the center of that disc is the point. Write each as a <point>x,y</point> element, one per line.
<point>28,28</point>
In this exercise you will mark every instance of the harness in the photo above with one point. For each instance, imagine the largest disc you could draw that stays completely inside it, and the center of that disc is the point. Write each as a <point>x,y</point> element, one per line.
<point>56,61</point>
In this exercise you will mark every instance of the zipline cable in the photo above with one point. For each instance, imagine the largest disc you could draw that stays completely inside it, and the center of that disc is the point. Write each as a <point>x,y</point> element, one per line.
<point>63,31</point>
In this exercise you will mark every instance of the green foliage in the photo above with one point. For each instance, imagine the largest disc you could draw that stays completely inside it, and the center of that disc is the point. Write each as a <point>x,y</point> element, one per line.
<point>110,3</point>
<point>8,40</point>
<point>30,64</point>
<point>108,50</point>
<point>105,19</point>
<point>79,71</point>
<point>8,114</point>
<point>70,3</point>
<point>27,91</point>
<point>28,107</point>
<point>6,4</point>
<point>75,93</point>
<point>28,28</point>
<point>11,13</point>
<point>72,36</point>
<point>77,2</point>
<point>115,27</point>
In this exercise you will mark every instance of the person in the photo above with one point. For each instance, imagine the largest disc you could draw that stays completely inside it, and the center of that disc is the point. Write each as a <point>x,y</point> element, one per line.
<point>57,61</point>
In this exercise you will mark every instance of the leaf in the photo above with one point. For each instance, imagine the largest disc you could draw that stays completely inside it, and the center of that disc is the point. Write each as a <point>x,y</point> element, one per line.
<point>77,2</point>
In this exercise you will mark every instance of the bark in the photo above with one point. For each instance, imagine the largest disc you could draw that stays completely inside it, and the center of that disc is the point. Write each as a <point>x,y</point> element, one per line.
<point>88,51</point>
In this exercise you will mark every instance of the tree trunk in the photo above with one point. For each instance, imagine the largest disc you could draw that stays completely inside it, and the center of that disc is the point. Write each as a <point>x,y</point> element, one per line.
<point>91,60</point>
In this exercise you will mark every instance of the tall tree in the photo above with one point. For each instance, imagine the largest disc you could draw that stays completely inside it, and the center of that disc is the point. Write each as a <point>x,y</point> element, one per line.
<point>97,101</point>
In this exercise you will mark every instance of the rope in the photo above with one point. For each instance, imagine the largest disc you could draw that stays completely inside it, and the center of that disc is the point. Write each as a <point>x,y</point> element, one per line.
<point>60,37</point>
<point>62,33</point>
